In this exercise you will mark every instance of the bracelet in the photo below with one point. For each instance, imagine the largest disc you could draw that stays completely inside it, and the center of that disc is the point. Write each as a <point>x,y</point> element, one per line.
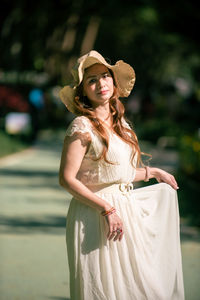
<point>108,212</point>
<point>147,175</point>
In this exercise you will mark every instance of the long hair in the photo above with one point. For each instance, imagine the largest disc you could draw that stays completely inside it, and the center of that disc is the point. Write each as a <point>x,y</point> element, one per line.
<point>83,107</point>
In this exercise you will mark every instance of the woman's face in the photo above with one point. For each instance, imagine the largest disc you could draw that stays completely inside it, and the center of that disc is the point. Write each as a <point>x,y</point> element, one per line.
<point>98,84</point>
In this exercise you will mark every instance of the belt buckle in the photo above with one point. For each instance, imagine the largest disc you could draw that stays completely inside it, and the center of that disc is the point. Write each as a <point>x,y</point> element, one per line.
<point>125,187</point>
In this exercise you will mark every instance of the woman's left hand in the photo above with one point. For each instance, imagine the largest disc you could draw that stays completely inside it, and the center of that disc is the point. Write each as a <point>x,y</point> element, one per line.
<point>163,176</point>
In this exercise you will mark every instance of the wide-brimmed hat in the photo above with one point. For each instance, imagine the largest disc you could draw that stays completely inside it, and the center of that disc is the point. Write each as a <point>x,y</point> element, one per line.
<point>124,77</point>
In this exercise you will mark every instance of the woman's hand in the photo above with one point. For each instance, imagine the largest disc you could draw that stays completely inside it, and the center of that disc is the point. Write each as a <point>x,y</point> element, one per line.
<point>115,227</point>
<point>163,176</point>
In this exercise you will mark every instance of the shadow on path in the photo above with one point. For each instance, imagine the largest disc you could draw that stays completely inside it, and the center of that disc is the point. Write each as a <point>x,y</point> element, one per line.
<point>27,172</point>
<point>33,225</point>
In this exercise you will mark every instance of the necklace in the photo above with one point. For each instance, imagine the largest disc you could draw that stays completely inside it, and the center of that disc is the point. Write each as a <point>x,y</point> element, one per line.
<point>107,121</point>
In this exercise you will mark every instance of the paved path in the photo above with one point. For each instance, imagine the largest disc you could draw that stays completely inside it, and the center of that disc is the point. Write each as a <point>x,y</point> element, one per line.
<point>33,261</point>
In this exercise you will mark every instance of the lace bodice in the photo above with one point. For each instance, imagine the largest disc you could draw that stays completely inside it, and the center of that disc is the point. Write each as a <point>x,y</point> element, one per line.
<point>94,171</point>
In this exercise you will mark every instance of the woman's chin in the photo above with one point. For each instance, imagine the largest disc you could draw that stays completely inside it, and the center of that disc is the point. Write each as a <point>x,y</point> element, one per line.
<point>100,101</point>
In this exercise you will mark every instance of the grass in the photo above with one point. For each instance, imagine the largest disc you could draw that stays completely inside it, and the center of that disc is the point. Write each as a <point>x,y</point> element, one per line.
<point>11,144</point>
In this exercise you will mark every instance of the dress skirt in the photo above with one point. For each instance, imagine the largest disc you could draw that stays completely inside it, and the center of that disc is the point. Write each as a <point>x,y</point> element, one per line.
<point>146,264</point>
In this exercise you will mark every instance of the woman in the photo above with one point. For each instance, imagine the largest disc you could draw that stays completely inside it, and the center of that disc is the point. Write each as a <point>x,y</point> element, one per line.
<point>123,244</point>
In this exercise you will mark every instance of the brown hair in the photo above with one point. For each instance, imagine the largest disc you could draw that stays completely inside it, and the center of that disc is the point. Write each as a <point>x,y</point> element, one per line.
<point>83,107</point>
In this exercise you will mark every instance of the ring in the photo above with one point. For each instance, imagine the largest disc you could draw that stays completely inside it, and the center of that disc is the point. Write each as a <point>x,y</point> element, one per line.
<point>119,230</point>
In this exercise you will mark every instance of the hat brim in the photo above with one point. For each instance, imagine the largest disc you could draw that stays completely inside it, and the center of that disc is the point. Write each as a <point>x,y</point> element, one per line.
<point>67,95</point>
<point>124,77</point>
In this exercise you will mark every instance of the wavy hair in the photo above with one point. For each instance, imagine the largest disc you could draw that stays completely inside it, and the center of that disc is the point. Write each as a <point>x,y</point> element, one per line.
<point>83,107</point>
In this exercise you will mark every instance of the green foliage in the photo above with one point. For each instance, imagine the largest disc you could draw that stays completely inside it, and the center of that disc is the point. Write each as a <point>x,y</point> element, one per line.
<point>153,129</point>
<point>188,177</point>
<point>189,203</point>
<point>189,149</point>
<point>11,144</point>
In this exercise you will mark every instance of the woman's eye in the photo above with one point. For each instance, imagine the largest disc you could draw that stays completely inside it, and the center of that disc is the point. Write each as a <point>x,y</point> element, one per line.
<point>92,80</point>
<point>106,75</point>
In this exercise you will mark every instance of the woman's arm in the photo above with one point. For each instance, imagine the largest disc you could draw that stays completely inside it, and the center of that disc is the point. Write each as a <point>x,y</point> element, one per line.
<point>71,159</point>
<point>159,174</point>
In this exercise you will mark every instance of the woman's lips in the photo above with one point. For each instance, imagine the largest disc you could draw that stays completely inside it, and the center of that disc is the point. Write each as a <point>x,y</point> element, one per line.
<point>103,92</point>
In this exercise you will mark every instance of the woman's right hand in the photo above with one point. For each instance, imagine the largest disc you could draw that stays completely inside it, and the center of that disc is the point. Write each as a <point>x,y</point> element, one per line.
<point>115,226</point>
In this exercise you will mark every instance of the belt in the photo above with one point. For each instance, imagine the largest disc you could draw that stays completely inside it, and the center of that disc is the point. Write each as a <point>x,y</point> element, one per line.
<point>122,188</point>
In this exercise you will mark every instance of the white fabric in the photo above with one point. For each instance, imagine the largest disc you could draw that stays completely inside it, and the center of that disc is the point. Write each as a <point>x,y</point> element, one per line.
<point>146,264</point>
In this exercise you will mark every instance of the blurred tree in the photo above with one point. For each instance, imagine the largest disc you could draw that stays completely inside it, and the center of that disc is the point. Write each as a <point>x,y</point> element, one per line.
<point>48,34</point>
<point>158,38</point>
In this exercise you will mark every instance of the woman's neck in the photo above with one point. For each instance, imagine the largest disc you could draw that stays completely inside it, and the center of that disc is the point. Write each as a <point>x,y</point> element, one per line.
<point>104,115</point>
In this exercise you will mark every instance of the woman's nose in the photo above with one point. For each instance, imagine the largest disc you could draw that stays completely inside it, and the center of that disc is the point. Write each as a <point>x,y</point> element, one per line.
<point>101,82</point>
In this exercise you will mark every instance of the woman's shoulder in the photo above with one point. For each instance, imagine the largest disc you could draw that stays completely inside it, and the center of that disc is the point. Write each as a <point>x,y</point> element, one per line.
<point>80,124</point>
<point>81,120</point>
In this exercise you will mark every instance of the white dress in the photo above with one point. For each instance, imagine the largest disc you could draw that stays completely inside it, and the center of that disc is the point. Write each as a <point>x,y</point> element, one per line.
<point>146,264</point>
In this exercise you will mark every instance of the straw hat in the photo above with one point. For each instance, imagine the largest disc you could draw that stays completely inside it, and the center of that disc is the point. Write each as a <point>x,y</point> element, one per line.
<point>124,76</point>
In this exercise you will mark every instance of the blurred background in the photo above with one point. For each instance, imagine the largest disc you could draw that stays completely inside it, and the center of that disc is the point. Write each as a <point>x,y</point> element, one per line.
<point>39,43</point>
<point>41,40</point>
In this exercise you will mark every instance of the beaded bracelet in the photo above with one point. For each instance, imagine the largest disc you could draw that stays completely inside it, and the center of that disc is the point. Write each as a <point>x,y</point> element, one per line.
<point>108,212</point>
<point>147,175</point>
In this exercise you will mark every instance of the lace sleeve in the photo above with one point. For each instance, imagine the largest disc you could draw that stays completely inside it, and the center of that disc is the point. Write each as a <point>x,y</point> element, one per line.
<point>80,128</point>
